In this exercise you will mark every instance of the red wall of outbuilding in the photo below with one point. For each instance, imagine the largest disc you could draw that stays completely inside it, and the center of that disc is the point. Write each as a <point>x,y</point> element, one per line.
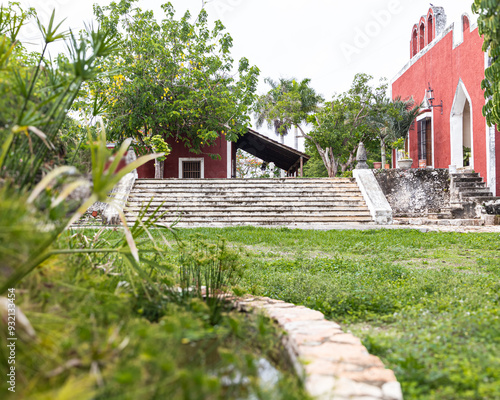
<point>442,66</point>
<point>213,168</point>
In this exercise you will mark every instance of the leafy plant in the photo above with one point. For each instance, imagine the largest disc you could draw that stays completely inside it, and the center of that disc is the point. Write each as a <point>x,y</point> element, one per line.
<point>467,155</point>
<point>105,176</point>
<point>405,156</point>
<point>158,145</point>
<point>207,271</point>
<point>38,93</point>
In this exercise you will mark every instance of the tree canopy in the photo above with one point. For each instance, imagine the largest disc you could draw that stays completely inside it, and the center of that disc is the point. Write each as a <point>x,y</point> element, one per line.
<point>489,26</point>
<point>286,104</point>
<point>361,114</point>
<point>343,122</point>
<point>173,78</point>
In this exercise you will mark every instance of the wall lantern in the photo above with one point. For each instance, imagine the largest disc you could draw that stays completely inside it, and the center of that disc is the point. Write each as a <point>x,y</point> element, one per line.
<point>430,99</point>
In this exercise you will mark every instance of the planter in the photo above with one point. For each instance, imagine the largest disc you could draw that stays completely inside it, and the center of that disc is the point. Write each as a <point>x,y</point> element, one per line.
<point>405,163</point>
<point>377,165</point>
<point>387,166</point>
<point>422,163</point>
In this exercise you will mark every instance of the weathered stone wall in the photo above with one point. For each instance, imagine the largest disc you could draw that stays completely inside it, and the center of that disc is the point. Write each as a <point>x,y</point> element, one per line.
<point>415,192</point>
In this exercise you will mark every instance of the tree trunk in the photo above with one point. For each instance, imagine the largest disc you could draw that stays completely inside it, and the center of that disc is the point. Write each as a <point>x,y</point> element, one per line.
<point>159,167</point>
<point>331,164</point>
<point>329,160</point>
<point>350,160</point>
<point>382,150</point>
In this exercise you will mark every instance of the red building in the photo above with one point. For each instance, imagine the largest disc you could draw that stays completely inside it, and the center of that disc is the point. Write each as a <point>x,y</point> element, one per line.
<point>445,71</point>
<point>183,164</point>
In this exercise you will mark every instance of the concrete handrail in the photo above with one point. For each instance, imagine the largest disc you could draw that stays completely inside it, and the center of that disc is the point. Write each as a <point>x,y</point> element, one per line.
<point>378,205</point>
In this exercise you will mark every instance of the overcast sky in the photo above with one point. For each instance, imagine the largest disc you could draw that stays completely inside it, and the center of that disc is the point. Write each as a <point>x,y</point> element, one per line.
<point>328,41</point>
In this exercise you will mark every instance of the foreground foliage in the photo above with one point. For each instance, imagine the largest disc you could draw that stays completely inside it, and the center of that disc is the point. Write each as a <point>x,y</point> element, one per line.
<point>105,332</point>
<point>427,304</point>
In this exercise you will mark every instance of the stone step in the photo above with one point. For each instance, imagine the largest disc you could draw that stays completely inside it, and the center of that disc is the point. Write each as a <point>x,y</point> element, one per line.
<point>468,184</point>
<point>483,199</point>
<point>247,201</point>
<point>300,181</point>
<point>259,191</point>
<point>441,215</point>
<point>249,205</point>
<point>257,183</point>
<point>442,222</point>
<point>261,220</point>
<point>248,196</point>
<point>476,193</point>
<point>269,213</point>
<point>465,175</point>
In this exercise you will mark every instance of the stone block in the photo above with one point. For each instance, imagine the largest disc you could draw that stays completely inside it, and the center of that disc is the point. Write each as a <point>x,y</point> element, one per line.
<point>349,388</point>
<point>392,391</point>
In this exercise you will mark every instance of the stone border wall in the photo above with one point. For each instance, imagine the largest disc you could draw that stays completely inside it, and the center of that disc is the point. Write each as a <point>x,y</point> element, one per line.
<point>414,192</point>
<point>334,365</point>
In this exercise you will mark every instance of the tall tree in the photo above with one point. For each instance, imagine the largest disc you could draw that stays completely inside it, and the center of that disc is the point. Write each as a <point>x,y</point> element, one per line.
<point>287,104</point>
<point>173,78</point>
<point>488,24</point>
<point>344,122</point>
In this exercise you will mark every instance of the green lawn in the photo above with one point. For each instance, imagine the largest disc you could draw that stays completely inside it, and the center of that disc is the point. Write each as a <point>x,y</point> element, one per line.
<point>427,303</point>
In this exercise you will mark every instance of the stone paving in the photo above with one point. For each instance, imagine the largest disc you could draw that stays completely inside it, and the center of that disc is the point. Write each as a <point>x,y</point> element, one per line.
<point>333,364</point>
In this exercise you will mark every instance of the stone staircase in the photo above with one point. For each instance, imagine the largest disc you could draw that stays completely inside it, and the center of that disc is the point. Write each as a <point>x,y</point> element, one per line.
<point>468,194</point>
<point>226,202</point>
<point>469,186</point>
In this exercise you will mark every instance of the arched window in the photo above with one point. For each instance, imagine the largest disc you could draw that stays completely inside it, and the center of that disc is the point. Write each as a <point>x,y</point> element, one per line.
<point>430,29</point>
<point>422,36</point>
<point>414,49</point>
<point>465,22</point>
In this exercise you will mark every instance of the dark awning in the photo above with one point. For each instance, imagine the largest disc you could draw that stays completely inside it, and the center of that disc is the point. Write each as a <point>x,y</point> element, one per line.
<point>269,150</point>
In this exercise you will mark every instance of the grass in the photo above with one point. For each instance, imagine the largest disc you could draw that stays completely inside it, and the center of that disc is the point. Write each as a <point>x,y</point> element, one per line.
<point>427,303</point>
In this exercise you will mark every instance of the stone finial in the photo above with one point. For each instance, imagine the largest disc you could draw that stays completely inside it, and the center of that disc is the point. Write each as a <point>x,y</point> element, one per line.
<point>361,157</point>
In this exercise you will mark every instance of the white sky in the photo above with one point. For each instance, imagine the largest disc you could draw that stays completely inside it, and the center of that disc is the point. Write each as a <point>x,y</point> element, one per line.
<point>328,41</point>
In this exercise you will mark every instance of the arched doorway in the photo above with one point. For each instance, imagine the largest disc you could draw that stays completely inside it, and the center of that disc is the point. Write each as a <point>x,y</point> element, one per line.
<point>461,133</point>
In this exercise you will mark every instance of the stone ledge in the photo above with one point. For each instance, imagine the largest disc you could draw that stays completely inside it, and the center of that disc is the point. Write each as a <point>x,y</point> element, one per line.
<point>378,205</point>
<point>334,365</point>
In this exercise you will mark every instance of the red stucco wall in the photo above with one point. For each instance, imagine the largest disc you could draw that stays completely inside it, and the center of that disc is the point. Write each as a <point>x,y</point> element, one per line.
<point>443,67</point>
<point>213,168</point>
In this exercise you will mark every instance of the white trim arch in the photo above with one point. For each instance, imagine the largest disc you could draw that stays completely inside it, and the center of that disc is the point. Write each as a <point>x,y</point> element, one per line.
<point>457,128</point>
